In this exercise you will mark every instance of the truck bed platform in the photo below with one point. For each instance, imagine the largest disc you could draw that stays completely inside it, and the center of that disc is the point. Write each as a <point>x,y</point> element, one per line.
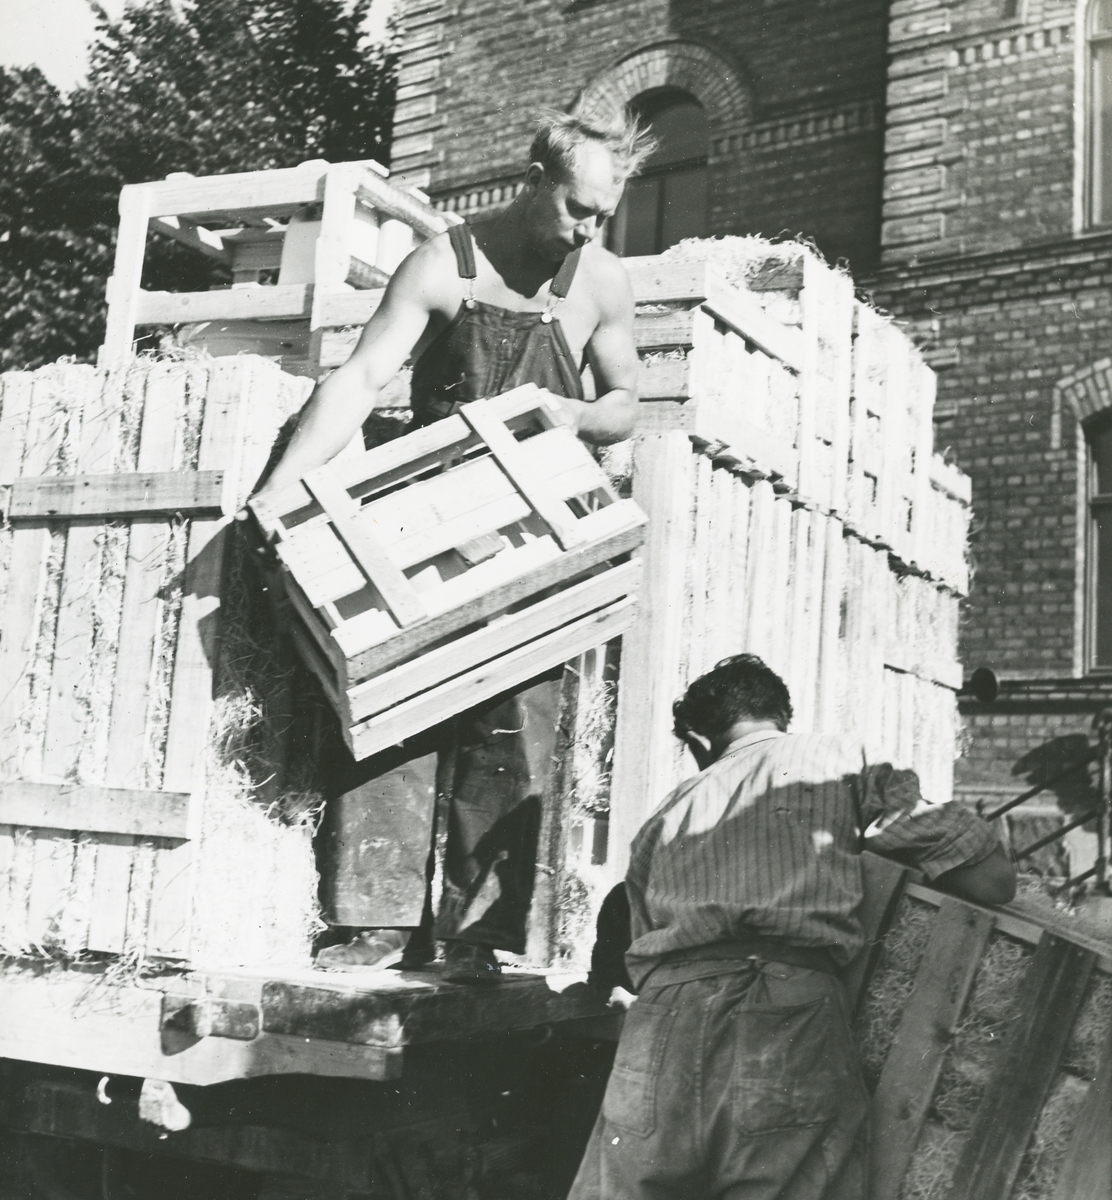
<point>201,1027</point>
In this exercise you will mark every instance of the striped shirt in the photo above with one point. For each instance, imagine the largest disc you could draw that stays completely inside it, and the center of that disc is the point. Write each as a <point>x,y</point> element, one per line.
<point>765,843</point>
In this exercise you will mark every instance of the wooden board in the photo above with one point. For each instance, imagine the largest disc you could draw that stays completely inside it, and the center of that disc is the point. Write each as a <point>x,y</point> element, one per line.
<point>382,692</point>
<point>68,723</point>
<point>1051,995</point>
<point>914,1064</point>
<point>883,882</point>
<point>94,809</point>
<point>116,496</point>
<point>473,687</point>
<point>1086,1173</point>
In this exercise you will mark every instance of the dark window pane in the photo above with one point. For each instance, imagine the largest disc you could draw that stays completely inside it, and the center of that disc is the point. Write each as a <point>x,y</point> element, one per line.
<point>1100,447</point>
<point>682,133</point>
<point>685,206</point>
<point>1102,577</point>
<point>1102,134</point>
<point>642,216</point>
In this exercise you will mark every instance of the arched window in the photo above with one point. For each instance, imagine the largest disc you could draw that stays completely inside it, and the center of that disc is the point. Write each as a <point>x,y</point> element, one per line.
<point>1099,556</point>
<point>1100,112</point>
<point>667,201</point>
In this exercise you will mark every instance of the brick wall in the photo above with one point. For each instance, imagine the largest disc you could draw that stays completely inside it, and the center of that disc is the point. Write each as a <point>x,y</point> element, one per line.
<point>797,148</point>
<point>980,136</point>
<point>1003,331</point>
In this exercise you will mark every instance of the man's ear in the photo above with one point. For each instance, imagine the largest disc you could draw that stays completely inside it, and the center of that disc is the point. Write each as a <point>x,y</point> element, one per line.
<point>535,175</point>
<point>699,746</point>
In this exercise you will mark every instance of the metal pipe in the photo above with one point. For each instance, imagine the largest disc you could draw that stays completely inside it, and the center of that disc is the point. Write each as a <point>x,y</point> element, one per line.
<point>1082,762</point>
<point>1058,833</point>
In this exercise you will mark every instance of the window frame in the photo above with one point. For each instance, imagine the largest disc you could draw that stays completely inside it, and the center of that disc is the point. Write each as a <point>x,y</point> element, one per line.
<point>1093,174</point>
<point>648,106</point>
<point>1092,503</point>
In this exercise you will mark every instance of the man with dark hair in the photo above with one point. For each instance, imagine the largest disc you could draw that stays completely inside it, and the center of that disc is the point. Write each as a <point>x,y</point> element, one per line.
<point>526,296</point>
<point>736,1074</point>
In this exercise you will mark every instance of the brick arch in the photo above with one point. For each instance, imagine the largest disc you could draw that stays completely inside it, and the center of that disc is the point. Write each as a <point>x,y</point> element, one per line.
<point>1088,391</point>
<point>684,65</point>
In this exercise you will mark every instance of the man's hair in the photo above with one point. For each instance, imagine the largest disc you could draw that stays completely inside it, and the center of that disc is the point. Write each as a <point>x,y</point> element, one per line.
<point>740,688</point>
<point>559,136</point>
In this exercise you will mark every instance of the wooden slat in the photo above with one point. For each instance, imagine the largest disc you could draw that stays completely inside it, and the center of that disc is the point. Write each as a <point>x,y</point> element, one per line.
<point>914,1064</point>
<point>235,304</point>
<point>51,871</point>
<point>431,668</point>
<point>30,546</point>
<point>127,272</point>
<point>394,461</point>
<point>94,809</point>
<point>126,763</point>
<point>15,409</point>
<point>468,607</point>
<point>504,447</point>
<point>249,191</point>
<point>196,237</point>
<point>68,722</point>
<point>368,551</point>
<point>653,651</point>
<point>465,691</point>
<point>1086,1172</point>
<point>884,883</point>
<point>227,409</point>
<point>117,496</point>
<point>108,910</point>
<point>1050,996</point>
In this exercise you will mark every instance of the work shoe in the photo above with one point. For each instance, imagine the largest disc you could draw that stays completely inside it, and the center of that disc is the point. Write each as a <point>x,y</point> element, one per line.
<point>465,962</point>
<point>419,951</point>
<point>371,948</point>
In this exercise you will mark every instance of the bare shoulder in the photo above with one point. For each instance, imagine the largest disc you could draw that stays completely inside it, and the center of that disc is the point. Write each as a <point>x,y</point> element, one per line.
<point>607,276</point>
<point>428,275</point>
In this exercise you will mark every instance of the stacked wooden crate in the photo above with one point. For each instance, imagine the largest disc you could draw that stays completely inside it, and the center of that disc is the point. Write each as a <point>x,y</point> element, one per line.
<point>796,511</point>
<point>118,494</point>
<point>308,250</point>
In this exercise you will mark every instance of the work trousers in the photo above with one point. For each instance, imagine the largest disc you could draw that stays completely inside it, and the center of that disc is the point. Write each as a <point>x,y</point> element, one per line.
<point>739,1086</point>
<point>491,766</point>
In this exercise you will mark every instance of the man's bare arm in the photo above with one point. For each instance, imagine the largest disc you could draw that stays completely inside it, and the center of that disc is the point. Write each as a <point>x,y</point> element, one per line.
<point>612,354</point>
<point>340,405</point>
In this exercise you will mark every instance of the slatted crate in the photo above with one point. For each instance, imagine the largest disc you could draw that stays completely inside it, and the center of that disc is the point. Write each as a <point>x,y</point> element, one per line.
<point>119,810</point>
<point>419,575</point>
<point>986,1036</point>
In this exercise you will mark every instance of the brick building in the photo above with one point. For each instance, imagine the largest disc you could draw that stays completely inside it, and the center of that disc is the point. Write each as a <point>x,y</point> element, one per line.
<point>956,153</point>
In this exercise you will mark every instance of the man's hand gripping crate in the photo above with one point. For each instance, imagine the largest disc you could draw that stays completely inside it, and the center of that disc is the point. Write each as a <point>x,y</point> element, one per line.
<point>433,572</point>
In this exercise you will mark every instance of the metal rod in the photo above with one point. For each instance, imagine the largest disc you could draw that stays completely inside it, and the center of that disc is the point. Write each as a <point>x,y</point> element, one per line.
<point>1082,762</point>
<point>1061,887</point>
<point>1058,833</point>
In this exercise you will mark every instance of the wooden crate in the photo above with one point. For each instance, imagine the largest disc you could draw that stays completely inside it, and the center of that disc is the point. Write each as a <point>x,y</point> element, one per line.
<point>993,1073</point>
<point>119,488</point>
<point>332,233</point>
<point>419,575</point>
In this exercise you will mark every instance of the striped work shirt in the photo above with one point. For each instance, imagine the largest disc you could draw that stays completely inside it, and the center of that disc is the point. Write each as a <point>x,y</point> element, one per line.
<point>765,843</point>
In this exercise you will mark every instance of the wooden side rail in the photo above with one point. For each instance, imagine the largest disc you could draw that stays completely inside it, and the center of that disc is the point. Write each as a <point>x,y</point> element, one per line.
<point>131,812</point>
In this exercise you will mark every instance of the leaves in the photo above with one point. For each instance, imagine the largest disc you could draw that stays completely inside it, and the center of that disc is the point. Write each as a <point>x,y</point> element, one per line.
<point>204,86</point>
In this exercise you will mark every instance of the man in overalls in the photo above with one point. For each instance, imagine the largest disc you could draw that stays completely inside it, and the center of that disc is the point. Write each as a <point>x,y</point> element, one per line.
<point>527,296</point>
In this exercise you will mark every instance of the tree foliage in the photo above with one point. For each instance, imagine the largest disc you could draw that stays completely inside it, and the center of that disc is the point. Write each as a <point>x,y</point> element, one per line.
<point>204,86</point>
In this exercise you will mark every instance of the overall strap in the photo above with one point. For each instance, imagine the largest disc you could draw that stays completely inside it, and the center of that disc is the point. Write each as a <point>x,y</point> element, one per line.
<point>561,285</point>
<point>464,247</point>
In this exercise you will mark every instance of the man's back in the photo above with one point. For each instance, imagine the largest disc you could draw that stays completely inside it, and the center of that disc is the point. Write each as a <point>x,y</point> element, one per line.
<point>765,842</point>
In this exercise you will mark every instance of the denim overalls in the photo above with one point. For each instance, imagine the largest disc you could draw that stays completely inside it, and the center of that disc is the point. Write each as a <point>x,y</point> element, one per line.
<point>493,763</point>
